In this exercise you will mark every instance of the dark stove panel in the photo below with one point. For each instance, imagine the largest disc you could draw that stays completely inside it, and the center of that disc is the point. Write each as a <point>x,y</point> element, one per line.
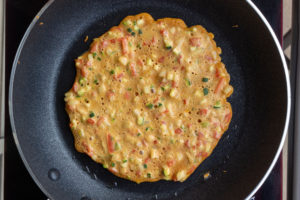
<point>18,184</point>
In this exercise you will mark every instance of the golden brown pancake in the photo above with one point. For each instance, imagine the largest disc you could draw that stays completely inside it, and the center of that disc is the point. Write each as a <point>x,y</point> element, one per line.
<point>149,99</point>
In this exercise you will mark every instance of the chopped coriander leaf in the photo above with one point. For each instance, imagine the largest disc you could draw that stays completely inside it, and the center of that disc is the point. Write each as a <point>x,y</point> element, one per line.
<point>140,31</point>
<point>159,104</point>
<point>98,58</point>
<point>145,166</point>
<point>205,91</point>
<point>129,89</point>
<point>113,164</point>
<point>92,114</point>
<point>204,124</point>
<point>168,47</point>
<point>134,22</point>
<point>162,88</point>
<point>129,30</point>
<point>113,119</point>
<point>94,54</point>
<point>96,81</point>
<point>149,105</point>
<point>139,134</point>
<point>138,46</point>
<point>125,161</point>
<point>147,128</point>
<point>112,71</point>
<point>148,175</point>
<point>133,33</point>
<point>204,79</point>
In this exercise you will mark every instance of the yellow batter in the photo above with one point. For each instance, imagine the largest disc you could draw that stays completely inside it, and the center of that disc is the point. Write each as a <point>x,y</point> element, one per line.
<point>149,99</point>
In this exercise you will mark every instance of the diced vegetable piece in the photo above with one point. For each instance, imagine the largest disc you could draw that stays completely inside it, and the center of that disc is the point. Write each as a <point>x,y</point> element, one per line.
<point>188,82</point>
<point>113,164</point>
<point>166,171</point>
<point>124,161</point>
<point>204,79</point>
<point>124,43</point>
<point>140,120</point>
<point>217,105</point>
<point>123,60</point>
<point>112,72</point>
<point>154,153</point>
<point>205,91</point>
<point>117,146</point>
<point>196,42</point>
<point>149,175</point>
<point>198,93</point>
<point>92,114</point>
<point>90,121</point>
<point>105,166</point>
<point>145,166</point>
<point>220,85</point>
<point>205,124</point>
<point>110,144</point>
<point>181,175</point>
<point>149,105</point>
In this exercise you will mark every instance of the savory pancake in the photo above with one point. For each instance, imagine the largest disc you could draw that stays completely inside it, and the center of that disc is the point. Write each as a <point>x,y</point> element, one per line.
<point>149,99</point>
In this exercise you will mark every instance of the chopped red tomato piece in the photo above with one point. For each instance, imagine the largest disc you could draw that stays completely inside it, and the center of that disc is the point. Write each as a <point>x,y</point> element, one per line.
<point>195,42</point>
<point>132,69</point>
<point>217,73</point>
<point>84,71</point>
<point>187,143</point>
<point>127,95</point>
<point>147,160</point>
<point>179,59</point>
<point>124,42</point>
<point>110,94</point>
<point>90,121</point>
<point>178,130</point>
<point>203,111</point>
<point>170,163</point>
<point>100,120</point>
<point>161,59</point>
<point>184,101</point>
<point>192,169</point>
<point>113,41</point>
<point>164,32</point>
<point>153,41</point>
<point>140,62</point>
<point>110,144</point>
<point>75,87</point>
<point>174,84</point>
<point>220,85</point>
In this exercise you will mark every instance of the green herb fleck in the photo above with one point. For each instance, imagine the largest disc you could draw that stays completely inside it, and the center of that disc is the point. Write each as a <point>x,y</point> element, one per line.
<point>147,129</point>
<point>134,23</point>
<point>112,71</point>
<point>129,30</point>
<point>168,47</point>
<point>92,114</point>
<point>113,164</point>
<point>149,105</point>
<point>124,161</point>
<point>162,88</point>
<point>159,104</point>
<point>129,89</point>
<point>98,58</point>
<point>133,33</point>
<point>96,81</point>
<point>145,166</point>
<point>204,79</point>
<point>148,175</point>
<point>94,54</point>
<point>205,91</point>
<point>140,31</point>
<point>139,134</point>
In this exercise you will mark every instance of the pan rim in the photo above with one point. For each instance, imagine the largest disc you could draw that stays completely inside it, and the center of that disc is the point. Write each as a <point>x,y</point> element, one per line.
<point>287,78</point>
<point>10,95</point>
<point>262,18</point>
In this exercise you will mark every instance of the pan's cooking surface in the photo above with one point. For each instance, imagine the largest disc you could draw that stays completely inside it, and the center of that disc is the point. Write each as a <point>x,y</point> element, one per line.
<point>46,71</point>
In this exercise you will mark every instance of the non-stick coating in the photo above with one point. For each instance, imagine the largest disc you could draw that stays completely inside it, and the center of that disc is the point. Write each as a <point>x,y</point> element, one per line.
<point>46,71</point>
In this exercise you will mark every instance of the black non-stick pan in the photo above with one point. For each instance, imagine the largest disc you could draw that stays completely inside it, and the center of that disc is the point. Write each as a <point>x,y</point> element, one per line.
<point>44,70</point>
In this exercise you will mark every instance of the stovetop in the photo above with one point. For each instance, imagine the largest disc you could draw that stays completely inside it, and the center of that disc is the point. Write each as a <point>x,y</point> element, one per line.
<point>17,183</point>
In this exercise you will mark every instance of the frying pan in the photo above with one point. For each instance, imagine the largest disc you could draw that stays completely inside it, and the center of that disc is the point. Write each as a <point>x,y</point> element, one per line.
<point>44,70</point>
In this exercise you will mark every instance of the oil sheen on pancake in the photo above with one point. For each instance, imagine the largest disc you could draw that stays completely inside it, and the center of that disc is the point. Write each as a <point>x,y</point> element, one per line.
<point>149,99</point>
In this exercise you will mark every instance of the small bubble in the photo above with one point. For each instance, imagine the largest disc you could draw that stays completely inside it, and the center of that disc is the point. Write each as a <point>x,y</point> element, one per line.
<point>53,174</point>
<point>175,194</point>
<point>115,184</point>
